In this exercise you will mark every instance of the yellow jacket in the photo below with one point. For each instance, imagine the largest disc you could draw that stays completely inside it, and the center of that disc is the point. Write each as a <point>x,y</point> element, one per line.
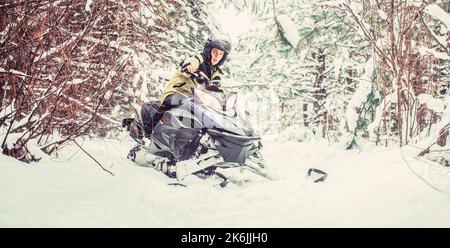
<point>182,82</point>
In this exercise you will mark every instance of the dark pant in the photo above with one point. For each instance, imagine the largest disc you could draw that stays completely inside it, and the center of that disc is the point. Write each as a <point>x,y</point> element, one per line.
<point>152,112</point>
<point>150,115</point>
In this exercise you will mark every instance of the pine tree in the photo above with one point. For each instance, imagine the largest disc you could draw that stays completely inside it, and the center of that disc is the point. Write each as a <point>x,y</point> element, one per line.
<point>307,55</point>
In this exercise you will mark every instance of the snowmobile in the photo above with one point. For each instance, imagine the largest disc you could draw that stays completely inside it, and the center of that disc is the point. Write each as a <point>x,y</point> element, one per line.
<point>204,136</point>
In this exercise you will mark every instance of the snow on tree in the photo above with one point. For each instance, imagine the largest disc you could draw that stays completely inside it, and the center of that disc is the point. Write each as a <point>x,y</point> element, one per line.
<point>344,70</point>
<point>307,78</point>
<point>66,66</point>
<point>410,60</point>
<point>288,29</point>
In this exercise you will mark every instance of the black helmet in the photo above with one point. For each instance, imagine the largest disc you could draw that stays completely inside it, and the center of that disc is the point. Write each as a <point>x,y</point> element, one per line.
<point>219,41</point>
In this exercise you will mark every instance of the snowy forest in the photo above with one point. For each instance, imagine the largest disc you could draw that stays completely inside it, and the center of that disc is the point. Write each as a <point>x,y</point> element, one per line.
<point>355,78</point>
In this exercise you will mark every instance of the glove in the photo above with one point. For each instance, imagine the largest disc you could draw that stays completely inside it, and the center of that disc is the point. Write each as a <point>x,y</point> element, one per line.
<point>214,84</point>
<point>215,81</point>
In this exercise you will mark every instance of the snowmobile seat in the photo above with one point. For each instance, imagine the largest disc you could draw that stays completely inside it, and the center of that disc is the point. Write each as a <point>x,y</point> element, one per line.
<point>134,127</point>
<point>127,123</point>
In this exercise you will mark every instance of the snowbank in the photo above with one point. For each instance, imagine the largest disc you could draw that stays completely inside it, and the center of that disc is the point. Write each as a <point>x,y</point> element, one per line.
<point>295,133</point>
<point>372,188</point>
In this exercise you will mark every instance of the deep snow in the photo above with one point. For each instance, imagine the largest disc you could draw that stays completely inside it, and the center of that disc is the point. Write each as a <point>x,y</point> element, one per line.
<point>370,188</point>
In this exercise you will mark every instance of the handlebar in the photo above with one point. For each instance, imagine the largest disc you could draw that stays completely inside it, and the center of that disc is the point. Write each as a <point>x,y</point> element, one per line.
<point>202,78</point>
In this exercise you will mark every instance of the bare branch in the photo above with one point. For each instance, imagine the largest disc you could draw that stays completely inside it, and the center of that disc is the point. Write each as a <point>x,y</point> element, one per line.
<point>92,158</point>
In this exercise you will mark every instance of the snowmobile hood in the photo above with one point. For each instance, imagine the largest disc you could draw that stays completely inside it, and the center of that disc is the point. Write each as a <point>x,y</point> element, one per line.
<point>192,114</point>
<point>236,124</point>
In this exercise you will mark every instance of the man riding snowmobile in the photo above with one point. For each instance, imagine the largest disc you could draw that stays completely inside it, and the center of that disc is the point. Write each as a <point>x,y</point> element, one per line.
<point>185,131</point>
<point>214,54</point>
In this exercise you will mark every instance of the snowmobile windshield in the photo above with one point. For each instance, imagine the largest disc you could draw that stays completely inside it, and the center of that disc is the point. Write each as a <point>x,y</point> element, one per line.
<point>217,101</point>
<point>230,103</point>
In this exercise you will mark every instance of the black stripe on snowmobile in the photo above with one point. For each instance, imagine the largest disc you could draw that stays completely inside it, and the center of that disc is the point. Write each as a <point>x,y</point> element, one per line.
<point>239,137</point>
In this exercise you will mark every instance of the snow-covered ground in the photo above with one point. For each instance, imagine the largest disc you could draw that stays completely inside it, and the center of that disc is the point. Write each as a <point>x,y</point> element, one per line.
<point>371,188</point>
